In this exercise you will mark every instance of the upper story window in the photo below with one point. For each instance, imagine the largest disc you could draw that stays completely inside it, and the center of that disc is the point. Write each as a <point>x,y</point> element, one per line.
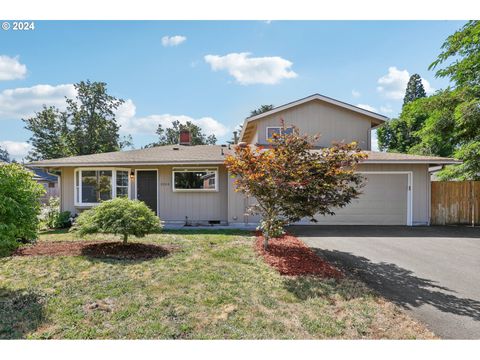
<point>93,186</point>
<point>195,179</point>
<point>277,130</point>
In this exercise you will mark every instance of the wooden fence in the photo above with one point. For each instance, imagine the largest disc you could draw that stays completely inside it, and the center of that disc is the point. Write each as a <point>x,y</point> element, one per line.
<point>455,202</point>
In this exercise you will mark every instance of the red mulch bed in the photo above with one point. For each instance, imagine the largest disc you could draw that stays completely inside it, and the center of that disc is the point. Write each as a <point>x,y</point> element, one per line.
<point>96,249</point>
<point>290,256</point>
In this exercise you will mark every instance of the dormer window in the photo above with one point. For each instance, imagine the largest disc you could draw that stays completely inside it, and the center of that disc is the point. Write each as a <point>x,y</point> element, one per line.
<point>277,130</point>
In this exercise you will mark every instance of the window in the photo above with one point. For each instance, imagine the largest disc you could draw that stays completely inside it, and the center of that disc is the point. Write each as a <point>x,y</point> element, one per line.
<point>273,130</point>
<point>122,183</point>
<point>277,130</point>
<point>96,186</point>
<point>195,179</point>
<point>93,186</point>
<point>51,185</point>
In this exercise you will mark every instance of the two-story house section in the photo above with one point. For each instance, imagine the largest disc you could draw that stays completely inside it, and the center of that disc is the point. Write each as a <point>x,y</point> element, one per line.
<point>190,184</point>
<point>397,190</point>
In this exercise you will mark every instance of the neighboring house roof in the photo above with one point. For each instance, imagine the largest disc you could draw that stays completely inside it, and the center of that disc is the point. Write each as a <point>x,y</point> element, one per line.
<point>377,118</point>
<point>42,175</point>
<point>204,155</point>
<point>160,155</point>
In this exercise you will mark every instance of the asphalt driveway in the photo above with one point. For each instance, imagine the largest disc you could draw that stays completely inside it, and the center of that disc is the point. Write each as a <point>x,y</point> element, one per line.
<point>432,272</point>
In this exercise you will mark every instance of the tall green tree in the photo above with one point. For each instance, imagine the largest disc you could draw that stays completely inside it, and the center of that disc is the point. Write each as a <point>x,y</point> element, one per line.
<point>50,134</point>
<point>462,51</point>
<point>447,123</point>
<point>399,134</point>
<point>461,54</point>
<point>4,155</point>
<point>261,109</point>
<point>415,89</point>
<point>87,126</point>
<point>171,135</point>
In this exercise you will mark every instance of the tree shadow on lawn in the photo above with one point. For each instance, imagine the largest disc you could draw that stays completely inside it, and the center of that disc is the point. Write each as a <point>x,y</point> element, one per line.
<point>21,312</point>
<point>310,287</point>
<point>401,286</point>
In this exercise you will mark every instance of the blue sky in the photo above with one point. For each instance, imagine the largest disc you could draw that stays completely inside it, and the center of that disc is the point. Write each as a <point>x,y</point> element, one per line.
<point>213,73</point>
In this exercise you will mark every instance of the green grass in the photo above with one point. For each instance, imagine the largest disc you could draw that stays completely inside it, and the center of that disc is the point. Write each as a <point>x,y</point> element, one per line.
<point>214,287</point>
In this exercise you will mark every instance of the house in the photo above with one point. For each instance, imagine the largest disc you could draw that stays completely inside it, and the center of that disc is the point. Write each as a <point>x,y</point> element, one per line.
<point>48,181</point>
<point>191,184</point>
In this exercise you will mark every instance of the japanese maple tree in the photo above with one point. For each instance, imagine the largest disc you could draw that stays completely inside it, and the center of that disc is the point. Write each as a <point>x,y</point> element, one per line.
<point>290,179</point>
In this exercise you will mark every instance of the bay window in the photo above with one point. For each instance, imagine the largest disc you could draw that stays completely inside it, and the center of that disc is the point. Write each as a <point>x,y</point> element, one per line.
<point>93,186</point>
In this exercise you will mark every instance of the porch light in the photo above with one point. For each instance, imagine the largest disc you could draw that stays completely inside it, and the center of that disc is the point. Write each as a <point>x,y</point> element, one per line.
<point>132,175</point>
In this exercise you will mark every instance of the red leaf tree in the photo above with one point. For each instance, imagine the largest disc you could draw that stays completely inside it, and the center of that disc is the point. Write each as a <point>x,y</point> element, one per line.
<point>290,179</point>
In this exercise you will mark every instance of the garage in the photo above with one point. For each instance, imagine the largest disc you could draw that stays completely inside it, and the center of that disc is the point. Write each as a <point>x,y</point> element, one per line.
<point>386,200</point>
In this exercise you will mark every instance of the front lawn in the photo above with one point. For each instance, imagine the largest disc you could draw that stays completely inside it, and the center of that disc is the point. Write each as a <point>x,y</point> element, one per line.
<point>212,286</point>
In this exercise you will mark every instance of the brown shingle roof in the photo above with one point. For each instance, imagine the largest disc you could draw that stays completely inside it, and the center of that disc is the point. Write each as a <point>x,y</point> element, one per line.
<point>204,154</point>
<point>374,156</point>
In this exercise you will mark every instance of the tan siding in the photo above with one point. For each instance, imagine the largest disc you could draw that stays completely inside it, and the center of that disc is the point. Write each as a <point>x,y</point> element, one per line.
<point>316,117</point>
<point>198,206</point>
<point>67,190</point>
<point>420,185</point>
<point>237,206</point>
<point>173,206</point>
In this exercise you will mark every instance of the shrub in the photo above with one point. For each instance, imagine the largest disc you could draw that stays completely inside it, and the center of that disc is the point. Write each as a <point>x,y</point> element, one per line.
<point>51,216</point>
<point>19,205</point>
<point>290,181</point>
<point>119,216</point>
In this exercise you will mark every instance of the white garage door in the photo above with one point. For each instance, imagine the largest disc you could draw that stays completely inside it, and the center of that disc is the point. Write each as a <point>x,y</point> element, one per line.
<point>384,202</point>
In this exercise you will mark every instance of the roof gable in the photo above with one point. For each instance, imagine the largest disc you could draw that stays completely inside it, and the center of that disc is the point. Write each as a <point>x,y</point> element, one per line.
<point>377,119</point>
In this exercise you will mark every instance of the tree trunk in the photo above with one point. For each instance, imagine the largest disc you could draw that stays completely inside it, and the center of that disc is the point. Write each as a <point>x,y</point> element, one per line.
<point>265,242</point>
<point>125,237</point>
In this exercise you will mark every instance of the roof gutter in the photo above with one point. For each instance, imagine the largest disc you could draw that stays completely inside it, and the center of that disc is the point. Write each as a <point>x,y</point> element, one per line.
<point>130,163</point>
<point>446,162</point>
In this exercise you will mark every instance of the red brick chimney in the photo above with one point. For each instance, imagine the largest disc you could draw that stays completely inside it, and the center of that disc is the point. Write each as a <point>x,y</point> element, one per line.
<point>185,137</point>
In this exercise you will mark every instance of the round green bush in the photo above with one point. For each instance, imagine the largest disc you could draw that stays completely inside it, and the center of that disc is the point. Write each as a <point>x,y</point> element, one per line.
<point>19,204</point>
<point>119,216</point>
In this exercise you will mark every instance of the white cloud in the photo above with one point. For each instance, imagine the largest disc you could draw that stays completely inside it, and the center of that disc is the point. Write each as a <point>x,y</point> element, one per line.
<point>23,102</point>
<point>386,109</point>
<point>252,70</point>
<point>394,84</point>
<point>16,149</point>
<point>356,93</point>
<point>11,68</point>
<point>428,88</point>
<point>367,107</point>
<point>173,40</point>
<point>148,124</point>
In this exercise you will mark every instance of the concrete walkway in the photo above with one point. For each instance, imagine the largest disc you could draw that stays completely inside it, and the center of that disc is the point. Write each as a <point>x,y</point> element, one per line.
<point>432,272</point>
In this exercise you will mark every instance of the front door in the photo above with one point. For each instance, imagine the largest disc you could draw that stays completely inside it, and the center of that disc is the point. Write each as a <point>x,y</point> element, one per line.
<point>147,188</point>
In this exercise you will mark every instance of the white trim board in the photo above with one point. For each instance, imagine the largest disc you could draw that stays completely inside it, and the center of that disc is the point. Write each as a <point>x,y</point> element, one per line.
<point>79,170</point>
